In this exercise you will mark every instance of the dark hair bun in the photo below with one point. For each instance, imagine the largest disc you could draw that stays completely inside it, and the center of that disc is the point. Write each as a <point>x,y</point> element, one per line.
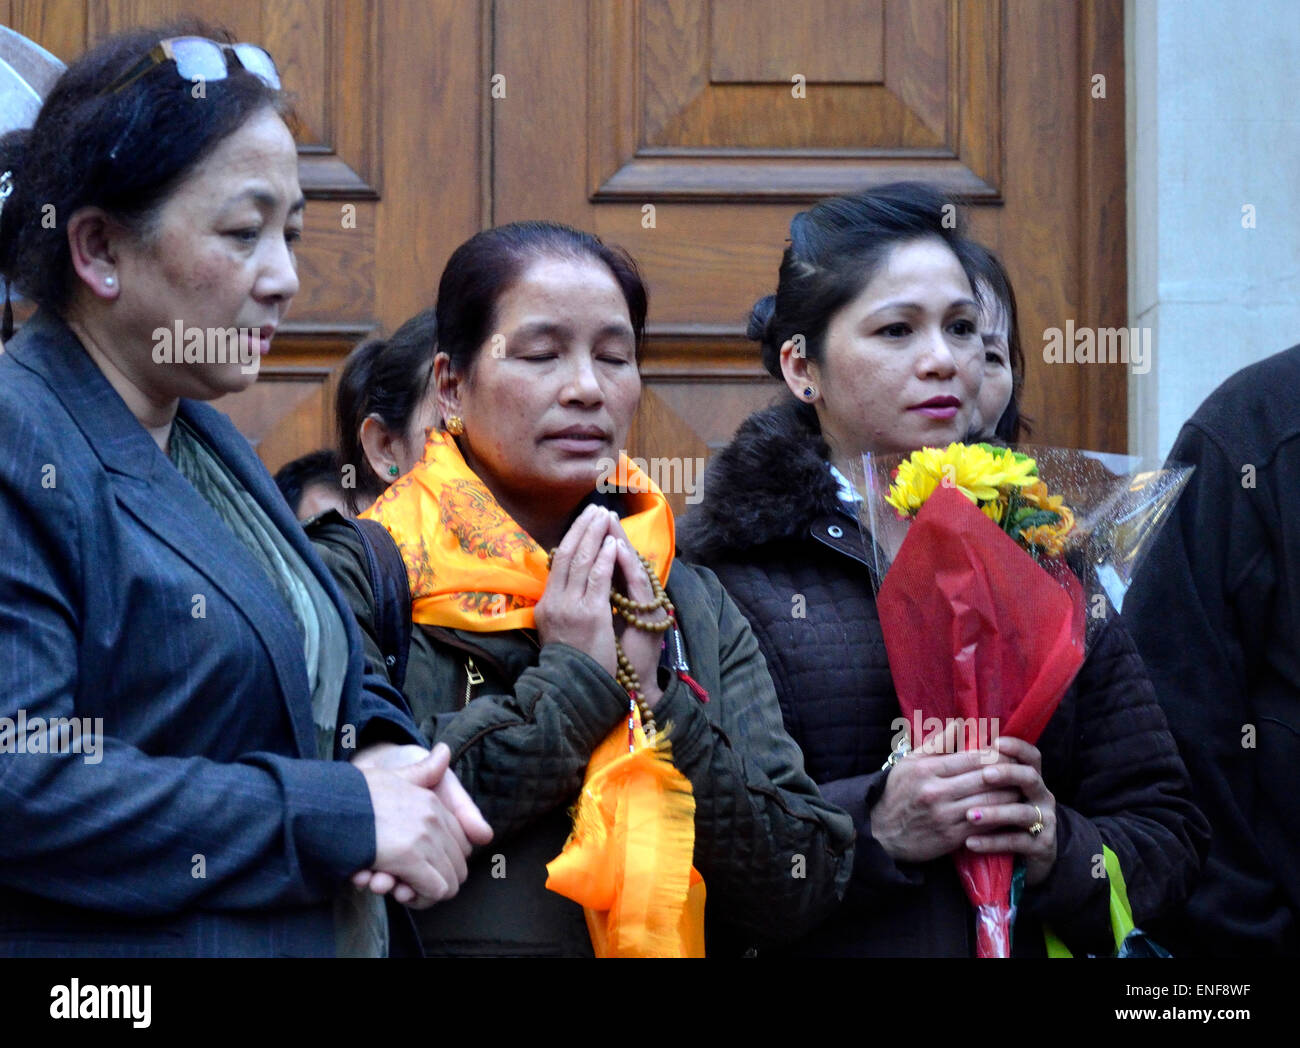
<point>760,329</point>
<point>760,318</point>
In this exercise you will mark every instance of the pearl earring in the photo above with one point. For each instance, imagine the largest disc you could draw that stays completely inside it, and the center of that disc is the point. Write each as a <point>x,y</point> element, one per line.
<point>110,281</point>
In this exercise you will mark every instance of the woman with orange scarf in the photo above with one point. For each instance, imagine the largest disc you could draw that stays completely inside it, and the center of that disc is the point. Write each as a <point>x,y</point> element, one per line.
<point>606,706</point>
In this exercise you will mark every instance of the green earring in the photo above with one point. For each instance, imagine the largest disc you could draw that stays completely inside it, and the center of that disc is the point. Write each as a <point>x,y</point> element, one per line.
<point>393,470</point>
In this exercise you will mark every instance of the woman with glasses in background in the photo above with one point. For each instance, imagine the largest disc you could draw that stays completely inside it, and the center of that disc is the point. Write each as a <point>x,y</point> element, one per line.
<point>997,415</point>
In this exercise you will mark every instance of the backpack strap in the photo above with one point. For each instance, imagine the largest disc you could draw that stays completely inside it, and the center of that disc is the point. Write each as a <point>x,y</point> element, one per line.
<point>392,594</point>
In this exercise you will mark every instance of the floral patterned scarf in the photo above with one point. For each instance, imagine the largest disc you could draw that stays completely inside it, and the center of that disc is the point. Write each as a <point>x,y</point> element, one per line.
<point>470,566</point>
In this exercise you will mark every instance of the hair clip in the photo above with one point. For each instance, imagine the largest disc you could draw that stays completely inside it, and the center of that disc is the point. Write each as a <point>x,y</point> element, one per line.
<point>6,188</point>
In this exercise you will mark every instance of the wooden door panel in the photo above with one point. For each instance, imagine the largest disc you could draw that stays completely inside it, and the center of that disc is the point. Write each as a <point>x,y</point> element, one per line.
<point>692,100</point>
<point>840,41</point>
<point>59,26</point>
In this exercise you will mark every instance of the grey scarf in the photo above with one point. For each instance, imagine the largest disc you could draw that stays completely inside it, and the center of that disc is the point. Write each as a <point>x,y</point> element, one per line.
<point>360,921</point>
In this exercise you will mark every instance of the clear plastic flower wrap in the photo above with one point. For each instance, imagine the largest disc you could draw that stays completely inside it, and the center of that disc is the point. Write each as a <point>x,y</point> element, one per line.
<point>995,569</point>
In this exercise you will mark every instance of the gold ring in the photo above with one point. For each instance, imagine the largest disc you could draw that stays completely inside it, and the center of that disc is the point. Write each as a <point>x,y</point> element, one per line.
<point>1038,826</point>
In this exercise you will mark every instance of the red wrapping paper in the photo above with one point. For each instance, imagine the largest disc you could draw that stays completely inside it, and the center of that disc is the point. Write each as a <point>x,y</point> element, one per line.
<point>976,629</point>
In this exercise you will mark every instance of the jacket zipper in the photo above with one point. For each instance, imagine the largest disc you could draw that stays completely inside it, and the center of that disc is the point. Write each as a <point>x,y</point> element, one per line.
<point>472,677</point>
<point>679,656</point>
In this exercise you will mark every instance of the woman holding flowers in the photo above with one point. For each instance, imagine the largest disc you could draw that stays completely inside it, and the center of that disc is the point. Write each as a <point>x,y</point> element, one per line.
<point>541,680</point>
<point>892,360</point>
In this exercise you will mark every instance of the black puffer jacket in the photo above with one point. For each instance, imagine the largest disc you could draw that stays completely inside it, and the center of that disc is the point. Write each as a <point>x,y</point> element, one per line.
<point>772,527</point>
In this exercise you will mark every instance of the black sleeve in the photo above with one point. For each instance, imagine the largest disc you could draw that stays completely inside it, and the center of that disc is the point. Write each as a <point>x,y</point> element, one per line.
<point>774,853</point>
<point>1190,609</point>
<point>380,712</point>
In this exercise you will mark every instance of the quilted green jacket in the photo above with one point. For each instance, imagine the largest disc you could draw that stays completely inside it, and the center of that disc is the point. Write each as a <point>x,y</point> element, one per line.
<point>522,721</point>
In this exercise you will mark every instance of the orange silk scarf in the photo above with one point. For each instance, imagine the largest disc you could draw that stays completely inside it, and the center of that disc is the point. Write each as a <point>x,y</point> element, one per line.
<point>471,567</point>
<point>628,860</point>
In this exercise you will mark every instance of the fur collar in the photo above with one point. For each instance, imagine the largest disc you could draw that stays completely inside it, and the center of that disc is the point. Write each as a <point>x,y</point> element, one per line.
<point>769,483</point>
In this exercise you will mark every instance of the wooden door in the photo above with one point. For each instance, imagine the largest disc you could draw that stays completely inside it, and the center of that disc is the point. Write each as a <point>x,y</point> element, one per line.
<point>690,131</point>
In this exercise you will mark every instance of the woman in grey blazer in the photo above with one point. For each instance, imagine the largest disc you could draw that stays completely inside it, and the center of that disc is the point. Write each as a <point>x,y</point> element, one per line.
<point>192,760</point>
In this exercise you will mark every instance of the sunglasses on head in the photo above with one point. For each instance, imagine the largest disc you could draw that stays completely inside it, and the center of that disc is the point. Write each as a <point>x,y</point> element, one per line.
<point>198,58</point>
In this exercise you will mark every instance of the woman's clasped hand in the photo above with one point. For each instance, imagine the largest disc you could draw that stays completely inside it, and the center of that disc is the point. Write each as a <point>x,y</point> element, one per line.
<point>426,825</point>
<point>989,800</point>
<point>1023,826</point>
<point>574,608</point>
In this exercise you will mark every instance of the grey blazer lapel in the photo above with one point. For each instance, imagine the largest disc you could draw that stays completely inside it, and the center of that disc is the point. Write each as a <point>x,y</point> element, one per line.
<point>149,488</point>
<point>242,460</point>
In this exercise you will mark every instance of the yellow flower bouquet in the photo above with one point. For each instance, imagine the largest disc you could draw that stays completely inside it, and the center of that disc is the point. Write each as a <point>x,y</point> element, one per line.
<point>1003,484</point>
<point>977,633</point>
